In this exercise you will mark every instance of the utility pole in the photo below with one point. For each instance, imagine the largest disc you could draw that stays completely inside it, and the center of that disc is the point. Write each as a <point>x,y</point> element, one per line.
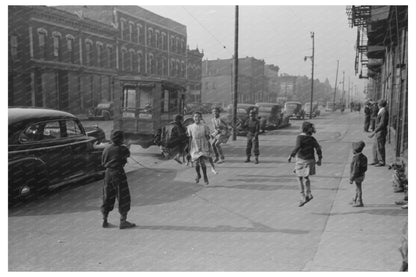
<point>336,82</point>
<point>312,59</point>
<point>343,91</point>
<point>235,75</point>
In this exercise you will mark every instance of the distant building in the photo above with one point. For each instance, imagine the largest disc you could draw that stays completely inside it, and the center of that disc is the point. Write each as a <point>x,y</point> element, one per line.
<point>287,86</point>
<point>194,75</point>
<point>218,82</point>
<point>66,57</point>
<point>271,73</point>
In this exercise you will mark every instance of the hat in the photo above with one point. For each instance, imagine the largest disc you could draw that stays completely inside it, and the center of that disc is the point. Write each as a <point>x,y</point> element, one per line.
<point>117,137</point>
<point>358,146</point>
<point>382,103</point>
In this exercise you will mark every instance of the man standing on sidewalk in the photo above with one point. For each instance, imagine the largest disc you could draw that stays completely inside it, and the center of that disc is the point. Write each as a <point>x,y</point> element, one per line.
<point>380,132</point>
<point>253,128</point>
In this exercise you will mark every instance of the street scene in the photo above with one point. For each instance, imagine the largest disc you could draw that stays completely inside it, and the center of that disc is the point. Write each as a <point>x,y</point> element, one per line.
<point>208,138</point>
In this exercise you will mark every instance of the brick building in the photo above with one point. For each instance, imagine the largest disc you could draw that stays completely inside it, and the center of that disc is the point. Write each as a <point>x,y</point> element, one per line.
<point>217,81</point>
<point>66,57</point>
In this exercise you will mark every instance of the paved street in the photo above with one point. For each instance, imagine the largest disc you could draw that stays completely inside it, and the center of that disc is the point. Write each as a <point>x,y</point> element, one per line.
<point>247,219</point>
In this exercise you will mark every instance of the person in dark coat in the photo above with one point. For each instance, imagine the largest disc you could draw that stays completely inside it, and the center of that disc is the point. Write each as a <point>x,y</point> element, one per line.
<point>114,158</point>
<point>253,129</point>
<point>305,148</point>
<point>367,116</point>
<point>357,172</point>
<point>380,133</point>
<point>374,112</point>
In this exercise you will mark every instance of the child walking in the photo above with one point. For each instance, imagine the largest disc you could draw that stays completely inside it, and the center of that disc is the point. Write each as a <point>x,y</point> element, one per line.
<point>305,148</point>
<point>357,172</point>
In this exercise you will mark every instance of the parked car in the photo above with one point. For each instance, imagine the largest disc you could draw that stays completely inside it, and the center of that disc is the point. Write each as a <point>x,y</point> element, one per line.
<point>103,111</point>
<point>330,107</point>
<point>315,111</point>
<point>294,110</point>
<point>48,148</point>
<point>271,116</point>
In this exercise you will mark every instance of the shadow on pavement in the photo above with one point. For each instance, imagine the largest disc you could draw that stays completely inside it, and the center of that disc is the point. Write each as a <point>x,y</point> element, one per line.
<point>363,210</point>
<point>147,187</point>
<point>256,228</point>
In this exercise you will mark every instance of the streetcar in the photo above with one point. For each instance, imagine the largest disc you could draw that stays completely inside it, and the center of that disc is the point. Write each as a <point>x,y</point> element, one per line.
<point>144,105</point>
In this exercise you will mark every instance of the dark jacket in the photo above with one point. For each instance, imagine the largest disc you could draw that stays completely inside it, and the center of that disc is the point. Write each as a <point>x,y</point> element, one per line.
<point>253,126</point>
<point>358,166</point>
<point>305,148</point>
<point>382,121</point>
<point>115,156</point>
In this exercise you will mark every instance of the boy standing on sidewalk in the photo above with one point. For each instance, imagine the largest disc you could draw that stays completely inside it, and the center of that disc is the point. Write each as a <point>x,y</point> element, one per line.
<point>357,172</point>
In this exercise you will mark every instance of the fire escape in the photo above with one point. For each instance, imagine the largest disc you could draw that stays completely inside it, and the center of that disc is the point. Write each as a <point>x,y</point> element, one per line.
<point>358,16</point>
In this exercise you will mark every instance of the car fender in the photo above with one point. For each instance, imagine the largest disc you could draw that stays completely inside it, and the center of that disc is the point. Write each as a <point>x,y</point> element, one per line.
<point>30,171</point>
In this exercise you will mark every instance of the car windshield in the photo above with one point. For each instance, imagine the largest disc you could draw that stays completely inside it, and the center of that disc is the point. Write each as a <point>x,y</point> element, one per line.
<point>104,105</point>
<point>265,109</point>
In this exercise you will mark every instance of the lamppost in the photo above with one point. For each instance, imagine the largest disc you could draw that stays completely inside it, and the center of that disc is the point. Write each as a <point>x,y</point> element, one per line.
<point>312,59</point>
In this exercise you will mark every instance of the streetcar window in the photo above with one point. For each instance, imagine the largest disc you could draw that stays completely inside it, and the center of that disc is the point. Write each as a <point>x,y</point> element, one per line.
<point>129,98</point>
<point>165,101</point>
<point>145,100</point>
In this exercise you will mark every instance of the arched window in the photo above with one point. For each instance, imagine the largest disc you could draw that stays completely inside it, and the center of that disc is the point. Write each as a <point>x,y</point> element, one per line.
<point>150,37</point>
<point>70,48</point>
<point>163,43</point>
<point>157,38</point>
<point>88,52</point>
<point>151,64</point>
<point>100,58</point>
<point>42,34</point>
<point>13,46</point>
<point>139,62</point>
<point>131,31</point>
<point>124,30</point>
<point>123,59</point>
<point>139,33</point>
<point>131,60</point>
<point>110,56</point>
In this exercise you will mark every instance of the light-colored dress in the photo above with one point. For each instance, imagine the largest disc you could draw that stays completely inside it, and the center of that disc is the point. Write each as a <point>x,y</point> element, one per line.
<point>199,143</point>
<point>221,130</point>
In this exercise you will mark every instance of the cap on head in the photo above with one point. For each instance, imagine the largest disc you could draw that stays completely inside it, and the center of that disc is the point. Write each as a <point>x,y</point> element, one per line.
<point>358,146</point>
<point>178,117</point>
<point>382,103</point>
<point>117,137</point>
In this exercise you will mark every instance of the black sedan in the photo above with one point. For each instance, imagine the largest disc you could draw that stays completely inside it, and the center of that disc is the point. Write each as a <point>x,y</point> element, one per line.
<point>48,148</point>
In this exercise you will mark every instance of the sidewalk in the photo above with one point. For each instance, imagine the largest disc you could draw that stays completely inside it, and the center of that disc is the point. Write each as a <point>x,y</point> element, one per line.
<point>368,238</point>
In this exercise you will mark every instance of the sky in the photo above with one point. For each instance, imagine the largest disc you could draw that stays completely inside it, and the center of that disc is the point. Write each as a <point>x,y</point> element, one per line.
<point>280,35</point>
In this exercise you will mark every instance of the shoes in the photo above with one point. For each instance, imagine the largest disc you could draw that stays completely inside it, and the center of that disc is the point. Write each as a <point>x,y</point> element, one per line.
<point>400,202</point>
<point>206,181</point>
<point>358,204</point>
<point>308,197</point>
<point>256,161</point>
<point>373,163</point>
<point>105,224</point>
<point>177,160</point>
<point>197,180</point>
<point>216,159</point>
<point>126,224</point>
<point>247,160</point>
<point>214,171</point>
<point>379,165</point>
<point>220,161</point>
<point>405,207</point>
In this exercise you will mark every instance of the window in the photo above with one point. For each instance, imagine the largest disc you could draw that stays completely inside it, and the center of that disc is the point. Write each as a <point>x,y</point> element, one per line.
<point>70,49</point>
<point>123,59</point>
<point>52,130</point>
<point>109,56</point>
<point>88,53</point>
<point>139,33</point>
<point>123,29</point>
<point>183,69</point>
<point>129,98</point>
<point>56,45</point>
<point>151,64</point>
<point>164,67</point>
<point>157,37</point>
<point>182,46</point>
<point>131,27</point>
<point>131,60</point>
<point>163,41</point>
<point>139,62</point>
<point>42,40</point>
<point>72,129</point>
<point>150,37</point>
<point>177,45</point>
<point>172,44</point>
<point>13,46</point>
<point>100,54</point>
